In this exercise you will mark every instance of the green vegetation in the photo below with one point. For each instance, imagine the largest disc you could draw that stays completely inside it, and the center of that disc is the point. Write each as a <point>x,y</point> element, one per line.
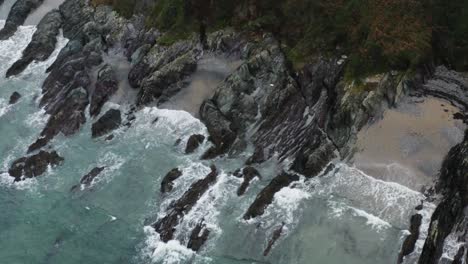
<point>377,35</point>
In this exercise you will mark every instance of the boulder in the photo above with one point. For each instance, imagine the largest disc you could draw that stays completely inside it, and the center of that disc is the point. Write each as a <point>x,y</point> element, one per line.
<point>193,143</point>
<point>14,98</point>
<point>33,166</point>
<point>167,182</point>
<point>110,121</point>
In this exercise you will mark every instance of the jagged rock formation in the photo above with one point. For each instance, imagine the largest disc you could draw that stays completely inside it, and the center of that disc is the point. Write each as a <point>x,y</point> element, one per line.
<point>42,44</point>
<point>18,14</point>
<point>167,182</point>
<point>450,216</point>
<point>33,166</point>
<point>108,122</point>
<point>166,226</point>
<point>247,174</point>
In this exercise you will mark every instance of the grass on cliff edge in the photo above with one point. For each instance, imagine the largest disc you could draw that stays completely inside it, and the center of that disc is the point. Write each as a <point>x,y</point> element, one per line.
<point>377,35</point>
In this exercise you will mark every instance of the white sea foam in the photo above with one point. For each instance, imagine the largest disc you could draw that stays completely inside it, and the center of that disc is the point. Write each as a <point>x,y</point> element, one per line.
<point>172,252</point>
<point>388,201</point>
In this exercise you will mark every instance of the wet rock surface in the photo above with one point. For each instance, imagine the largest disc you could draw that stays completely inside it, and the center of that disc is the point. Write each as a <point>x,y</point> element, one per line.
<point>449,216</point>
<point>248,174</point>
<point>105,87</point>
<point>166,226</point>
<point>87,179</point>
<point>265,197</point>
<point>67,117</point>
<point>410,241</point>
<point>42,44</point>
<point>33,166</point>
<point>193,143</point>
<point>167,183</point>
<point>18,14</point>
<point>274,237</point>
<point>108,122</point>
<point>198,237</point>
<point>14,98</point>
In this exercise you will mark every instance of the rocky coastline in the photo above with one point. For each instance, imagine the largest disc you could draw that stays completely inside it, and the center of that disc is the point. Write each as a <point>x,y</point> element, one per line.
<point>304,119</point>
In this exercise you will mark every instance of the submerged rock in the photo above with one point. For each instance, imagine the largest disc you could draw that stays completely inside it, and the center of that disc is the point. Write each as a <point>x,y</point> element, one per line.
<point>193,143</point>
<point>167,182</point>
<point>198,236</point>
<point>265,197</point>
<point>89,177</point>
<point>33,166</point>
<point>110,121</point>
<point>42,44</point>
<point>14,98</point>
<point>166,226</point>
<point>18,14</point>
<point>274,237</point>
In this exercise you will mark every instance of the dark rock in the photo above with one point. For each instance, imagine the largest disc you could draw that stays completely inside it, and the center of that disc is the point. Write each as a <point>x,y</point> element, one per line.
<point>219,128</point>
<point>42,44</point>
<point>248,173</point>
<point>166,225</point>
<point>75,13</point>
<point>14,98</point>
<point>419,207</point>
<point>167,182</point>
<point>193,142</point>
<point>18,14</point>
<point>265,197</point>
<point>449,214</point>
<point>274,237</point>
<point>317,152</point>
<point>164,71</point>
<point>110,121</point>
<point>106,86</point>
<point>110,137</point>
<point>89,177</point>
<point>410,241</point>
<point>198,237</point>
<point>35,165</point>
<point>72,48</point>
<point>67,118</point>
